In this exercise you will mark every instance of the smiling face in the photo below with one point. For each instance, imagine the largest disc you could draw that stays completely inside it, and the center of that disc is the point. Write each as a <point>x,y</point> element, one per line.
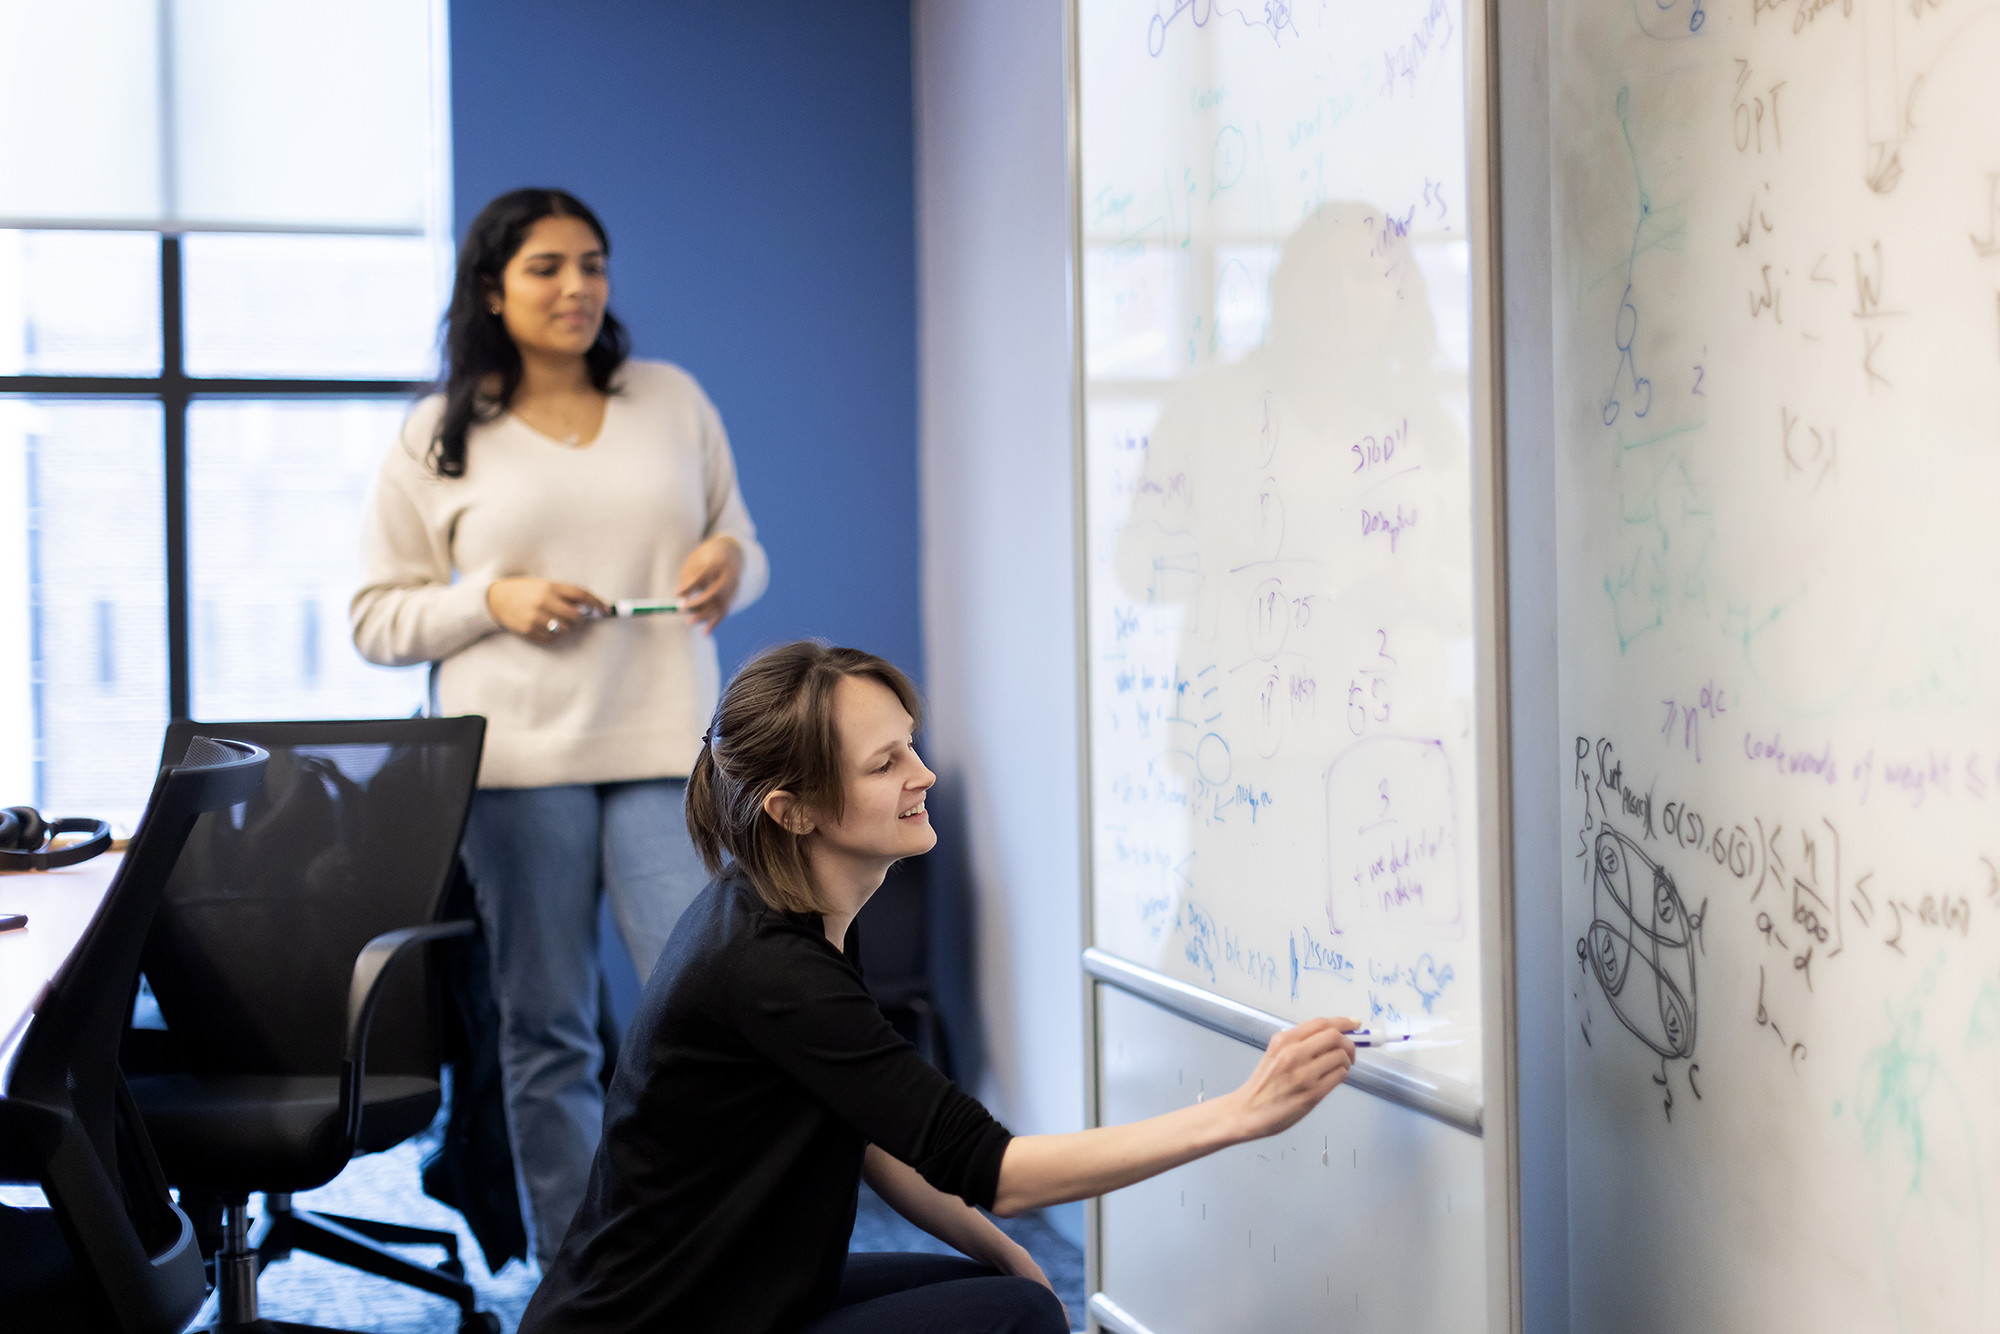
<point>554,290</point>
<point>883,785</point>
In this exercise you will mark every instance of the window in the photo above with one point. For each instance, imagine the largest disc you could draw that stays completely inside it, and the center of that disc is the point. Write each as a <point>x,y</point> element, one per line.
<point>220,275</point>
<point>276,491</point>
<point>86,649</point>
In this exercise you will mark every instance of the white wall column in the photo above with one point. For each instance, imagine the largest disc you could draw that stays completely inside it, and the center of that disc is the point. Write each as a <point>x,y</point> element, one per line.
<point>998,595</point>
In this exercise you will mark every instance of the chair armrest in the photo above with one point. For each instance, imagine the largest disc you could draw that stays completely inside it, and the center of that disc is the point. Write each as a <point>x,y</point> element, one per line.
<point>371,967</point>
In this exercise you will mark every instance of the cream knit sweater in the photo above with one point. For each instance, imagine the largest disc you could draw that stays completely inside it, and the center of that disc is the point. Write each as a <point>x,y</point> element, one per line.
<point>615,699</point>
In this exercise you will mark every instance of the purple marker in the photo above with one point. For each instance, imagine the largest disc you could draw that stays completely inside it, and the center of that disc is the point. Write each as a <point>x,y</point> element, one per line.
<point>1365,1038</point>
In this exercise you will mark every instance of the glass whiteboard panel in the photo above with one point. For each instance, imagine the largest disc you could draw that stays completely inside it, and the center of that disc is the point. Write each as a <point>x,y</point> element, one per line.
<point>1777,277</point>
<point>1278,527</point>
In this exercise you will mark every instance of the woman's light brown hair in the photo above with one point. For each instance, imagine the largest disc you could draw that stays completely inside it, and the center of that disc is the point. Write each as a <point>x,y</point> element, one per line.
<point>775,730</point>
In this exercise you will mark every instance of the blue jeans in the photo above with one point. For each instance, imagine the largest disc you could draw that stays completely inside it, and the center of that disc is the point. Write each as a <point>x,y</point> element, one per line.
<point>539,858</point>
<point>936,1294</point>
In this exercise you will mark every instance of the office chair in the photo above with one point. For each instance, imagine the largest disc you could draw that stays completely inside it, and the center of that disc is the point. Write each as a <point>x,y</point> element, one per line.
<point>291,1042</point>
<point>111,1251</point>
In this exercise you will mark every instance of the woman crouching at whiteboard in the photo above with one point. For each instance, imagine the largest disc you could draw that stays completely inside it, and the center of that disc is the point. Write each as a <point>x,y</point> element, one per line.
<point>759,1084</point>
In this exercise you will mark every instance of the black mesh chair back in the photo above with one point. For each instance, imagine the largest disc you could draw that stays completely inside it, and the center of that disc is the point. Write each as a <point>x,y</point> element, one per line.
<point>353,835</point>
<point>67,1120</point>
<point>294,1037</point>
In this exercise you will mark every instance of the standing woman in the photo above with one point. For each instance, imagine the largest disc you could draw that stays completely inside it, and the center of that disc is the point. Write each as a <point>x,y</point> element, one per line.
<point>551,478</point>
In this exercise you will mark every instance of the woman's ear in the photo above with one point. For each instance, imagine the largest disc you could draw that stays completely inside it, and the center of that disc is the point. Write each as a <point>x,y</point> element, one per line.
<point>789,812</point>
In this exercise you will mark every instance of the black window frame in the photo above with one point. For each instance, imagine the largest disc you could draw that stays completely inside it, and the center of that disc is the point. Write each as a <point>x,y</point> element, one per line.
<point>175,390</point>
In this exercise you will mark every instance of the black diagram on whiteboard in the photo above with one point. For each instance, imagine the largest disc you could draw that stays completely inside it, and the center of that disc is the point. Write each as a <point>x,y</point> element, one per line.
<point>1641,949</point>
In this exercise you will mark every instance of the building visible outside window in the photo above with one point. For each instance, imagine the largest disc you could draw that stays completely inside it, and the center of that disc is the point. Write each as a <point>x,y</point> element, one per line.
<point>224,246</point>
<point>309,642</point>
<point>107,660</point>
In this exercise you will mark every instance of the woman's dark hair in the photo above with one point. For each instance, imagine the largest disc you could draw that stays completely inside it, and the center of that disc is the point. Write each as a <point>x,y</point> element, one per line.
<point>775,730</point>
<point>477,345</point>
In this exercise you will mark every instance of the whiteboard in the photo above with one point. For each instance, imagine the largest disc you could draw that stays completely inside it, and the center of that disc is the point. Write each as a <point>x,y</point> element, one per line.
<point>1777,352</point>
<point>1320,1228</point>
<point>1277,490</point>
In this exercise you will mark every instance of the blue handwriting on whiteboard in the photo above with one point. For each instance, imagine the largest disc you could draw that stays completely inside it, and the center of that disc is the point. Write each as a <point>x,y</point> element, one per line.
<point>1205,943</point>
<point>1317,957</point>
<point>1424,977</point>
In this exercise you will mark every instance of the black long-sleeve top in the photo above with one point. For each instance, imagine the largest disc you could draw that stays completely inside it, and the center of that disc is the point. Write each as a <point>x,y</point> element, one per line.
<point>756,1073</point>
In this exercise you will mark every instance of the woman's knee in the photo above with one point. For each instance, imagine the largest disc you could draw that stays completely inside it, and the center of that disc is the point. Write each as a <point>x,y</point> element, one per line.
<point>1029,1308</point>
<point>898,1293</point>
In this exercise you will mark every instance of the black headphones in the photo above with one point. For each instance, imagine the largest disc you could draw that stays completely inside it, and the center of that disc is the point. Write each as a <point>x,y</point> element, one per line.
<point>23,834</point>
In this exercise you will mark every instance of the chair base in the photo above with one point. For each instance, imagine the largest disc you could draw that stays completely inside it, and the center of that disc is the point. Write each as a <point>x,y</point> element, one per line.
<point>358,1243</point>
<point>361,1243</point>
<point>480,1322</point>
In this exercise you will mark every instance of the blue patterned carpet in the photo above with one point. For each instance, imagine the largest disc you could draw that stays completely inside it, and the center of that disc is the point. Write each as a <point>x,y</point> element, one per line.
<point>310,1290</point>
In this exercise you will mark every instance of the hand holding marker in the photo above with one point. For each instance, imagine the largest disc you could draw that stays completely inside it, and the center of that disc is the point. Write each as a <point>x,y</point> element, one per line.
<point>708,586</point>
<point>1410,1033</point>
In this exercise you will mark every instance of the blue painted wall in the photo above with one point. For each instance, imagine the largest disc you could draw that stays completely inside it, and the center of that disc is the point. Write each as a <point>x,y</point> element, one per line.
<point>754,164</point>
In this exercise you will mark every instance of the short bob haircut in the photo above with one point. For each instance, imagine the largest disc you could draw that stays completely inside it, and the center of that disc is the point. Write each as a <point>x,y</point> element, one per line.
<point>775,730</point>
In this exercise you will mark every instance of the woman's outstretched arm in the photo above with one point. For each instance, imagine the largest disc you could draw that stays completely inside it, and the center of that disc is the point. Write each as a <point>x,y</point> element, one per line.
<point>1301,1066</point>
